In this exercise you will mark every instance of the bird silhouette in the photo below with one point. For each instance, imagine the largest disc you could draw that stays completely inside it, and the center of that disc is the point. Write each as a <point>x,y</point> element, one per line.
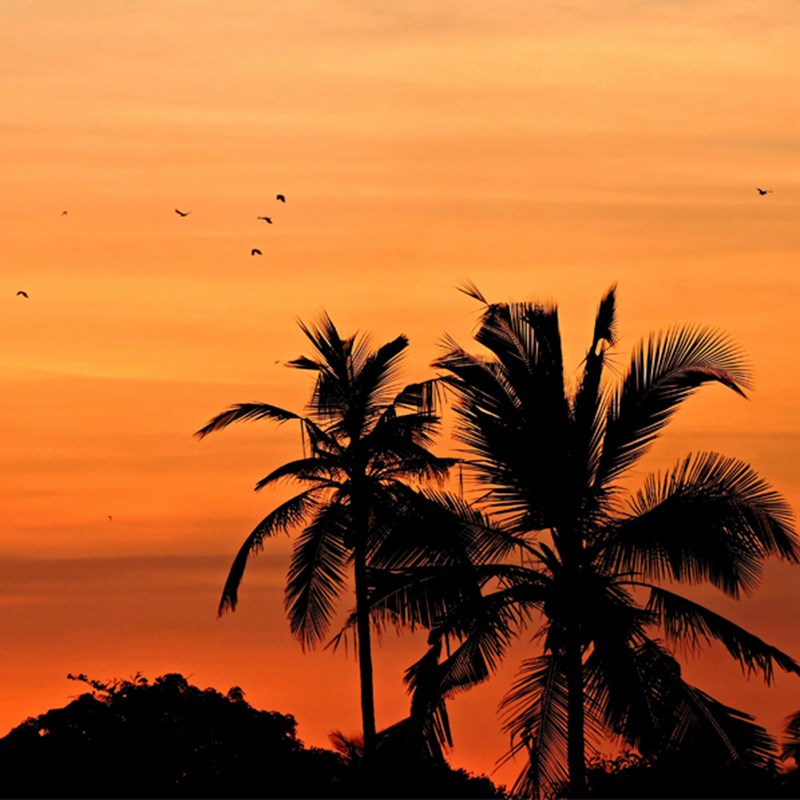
<point>266,219</point>
<point>63,213</point>
<point>281,198</point>
<point>182,213</point>
<point>255,252</point>
<point>24,294</point>
<point>762,192</point>
<point>109,517</point>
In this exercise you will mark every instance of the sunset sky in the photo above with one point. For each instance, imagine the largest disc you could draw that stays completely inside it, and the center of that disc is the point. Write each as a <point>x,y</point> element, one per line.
<point>543,149</point>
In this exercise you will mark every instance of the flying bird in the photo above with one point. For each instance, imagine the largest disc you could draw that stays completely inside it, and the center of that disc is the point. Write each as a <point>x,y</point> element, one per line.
<point>266,219</point>
<point>255,252</point>
<point>281,198</point>
<point>762,192</point>
<point>63,213</point>
<point>24,294</point>
<point>182,213</point>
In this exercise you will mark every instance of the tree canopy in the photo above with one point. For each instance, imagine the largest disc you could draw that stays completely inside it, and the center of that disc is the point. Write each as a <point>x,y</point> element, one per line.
<point>168,738</point>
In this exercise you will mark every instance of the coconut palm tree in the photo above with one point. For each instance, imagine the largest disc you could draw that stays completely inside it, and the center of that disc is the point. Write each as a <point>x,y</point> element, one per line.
<point>597,563</point>
<point>366,440</point>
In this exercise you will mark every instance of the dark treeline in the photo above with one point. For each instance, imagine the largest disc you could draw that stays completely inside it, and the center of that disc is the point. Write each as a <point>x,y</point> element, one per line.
<point>167,738</point>
<point>133,738</point>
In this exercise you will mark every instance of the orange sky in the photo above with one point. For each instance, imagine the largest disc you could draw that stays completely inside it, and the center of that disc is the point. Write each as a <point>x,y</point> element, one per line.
<point>545,150</point>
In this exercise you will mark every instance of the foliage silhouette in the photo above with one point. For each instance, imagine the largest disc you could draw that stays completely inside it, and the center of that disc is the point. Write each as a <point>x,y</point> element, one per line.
<point>591,566</point>
<point>133,738</point>
<point>686,774</point>
<point>400,769</point>
<point>366,440</point>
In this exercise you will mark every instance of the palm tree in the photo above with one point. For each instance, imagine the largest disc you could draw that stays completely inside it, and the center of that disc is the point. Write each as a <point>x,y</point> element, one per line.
<point>365,440</point>
<point>550,460</point>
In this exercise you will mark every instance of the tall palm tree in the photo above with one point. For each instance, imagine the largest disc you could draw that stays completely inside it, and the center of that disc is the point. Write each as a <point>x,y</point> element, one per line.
<point>550,460</point>
<point>366,440</point>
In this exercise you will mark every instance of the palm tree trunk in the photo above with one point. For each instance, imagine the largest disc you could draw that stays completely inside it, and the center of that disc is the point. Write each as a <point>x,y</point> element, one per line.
<point>576,737</point>
<point>364,651</point>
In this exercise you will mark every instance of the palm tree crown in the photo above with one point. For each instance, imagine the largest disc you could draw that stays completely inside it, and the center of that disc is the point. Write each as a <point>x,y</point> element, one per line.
<point>549,460</point>
<point>366,440</point>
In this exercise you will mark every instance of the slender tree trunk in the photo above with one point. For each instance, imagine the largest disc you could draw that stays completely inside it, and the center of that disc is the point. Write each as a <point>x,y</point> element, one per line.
<point>576,737</point>
<point>364,651</point>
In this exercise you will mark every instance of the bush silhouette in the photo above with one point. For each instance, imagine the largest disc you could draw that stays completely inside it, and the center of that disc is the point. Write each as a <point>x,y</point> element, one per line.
<point>134,738</point>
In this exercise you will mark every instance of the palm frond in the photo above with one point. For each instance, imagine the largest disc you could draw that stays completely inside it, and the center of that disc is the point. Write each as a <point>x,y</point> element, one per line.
<point>535,713</point>
<point>690,622</point>
<point>484,629</point>
<point>605,323</point>
<point>443,599</point>
<point>423,397</point>
<point>710,518</point>
<point>664,371</point>
<point>469,288</point>
<point>351,748</point>
<point>752,744</point>
<point>333,351</point>
<point>317,573</point>
<point>322,441</point>
<point>303,362</point>
<point>791,737</point>
<point>378,374</point>
<point>622,690</point>
<point>515,406</point>
<point>429,528</point>
<point>242,412</point>
<point>646,700</point>
<point>282,518</point>
<point>329,399</point>
<point>392,430</point>
<point>321,468</point>
<point>412,462</point>
<point>428,706</point>
<point>589,406</point>
<point>411,598</point>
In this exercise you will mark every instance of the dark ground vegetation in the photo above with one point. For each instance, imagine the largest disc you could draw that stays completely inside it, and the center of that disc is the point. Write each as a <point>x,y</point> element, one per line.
<point>167,738</point>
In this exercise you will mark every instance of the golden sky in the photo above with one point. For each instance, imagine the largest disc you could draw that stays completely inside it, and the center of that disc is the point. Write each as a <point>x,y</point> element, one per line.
<point>545,150</point>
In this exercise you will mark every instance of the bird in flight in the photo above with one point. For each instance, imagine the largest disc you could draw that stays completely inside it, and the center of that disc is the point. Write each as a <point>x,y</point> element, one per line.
<point>762,192</point>
<point>281,198</point>
<point>255,252</point>
<point>266,219</point>
<point>24,294</point>
<point>63,213</point>
<point>182,213</point>
<point>110,517</point>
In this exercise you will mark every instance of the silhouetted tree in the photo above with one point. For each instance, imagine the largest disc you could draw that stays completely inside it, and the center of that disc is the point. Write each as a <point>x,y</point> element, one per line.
<point>365,441</point>
<point>401,769</point>
<point>684,774</point>
<point>550,460</point>
<point>133,738</point>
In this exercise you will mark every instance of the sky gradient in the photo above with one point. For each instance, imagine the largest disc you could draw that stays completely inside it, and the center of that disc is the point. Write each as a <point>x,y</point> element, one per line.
<point>545,152</point>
